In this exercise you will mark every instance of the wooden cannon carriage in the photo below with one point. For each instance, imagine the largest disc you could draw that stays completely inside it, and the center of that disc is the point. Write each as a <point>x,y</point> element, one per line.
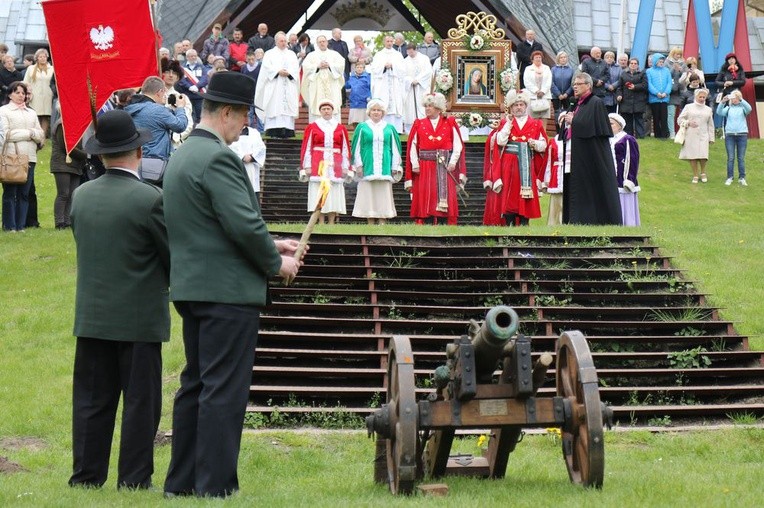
<point>414,437</point>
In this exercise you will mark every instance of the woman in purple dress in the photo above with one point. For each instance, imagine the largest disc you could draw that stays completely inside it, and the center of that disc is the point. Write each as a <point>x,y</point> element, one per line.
<point>626,157</point>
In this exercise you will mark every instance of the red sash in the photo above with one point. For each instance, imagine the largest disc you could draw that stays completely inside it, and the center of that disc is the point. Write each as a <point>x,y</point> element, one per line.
<point>193,79</point>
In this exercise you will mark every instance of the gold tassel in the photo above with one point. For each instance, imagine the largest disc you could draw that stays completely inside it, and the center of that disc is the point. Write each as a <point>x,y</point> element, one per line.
<point>68,159</point>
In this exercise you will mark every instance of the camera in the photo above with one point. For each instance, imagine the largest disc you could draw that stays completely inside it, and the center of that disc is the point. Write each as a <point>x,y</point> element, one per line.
<point>171,99</point>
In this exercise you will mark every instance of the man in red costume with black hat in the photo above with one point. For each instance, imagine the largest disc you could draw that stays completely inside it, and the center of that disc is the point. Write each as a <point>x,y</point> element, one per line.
<point>435,168</point>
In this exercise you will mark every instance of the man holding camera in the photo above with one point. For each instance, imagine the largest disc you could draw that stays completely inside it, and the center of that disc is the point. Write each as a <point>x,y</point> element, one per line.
<point>149,112</point>
<point>171,74</point>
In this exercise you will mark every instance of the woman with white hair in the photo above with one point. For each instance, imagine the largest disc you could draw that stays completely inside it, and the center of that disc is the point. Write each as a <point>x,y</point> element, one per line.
<point>325,154</point>
<point>734,108</point>
<point>435,166</point>
<point>376,160</point>
<point>698,120</point>
<point>626,158</point>
<point>521,143</point>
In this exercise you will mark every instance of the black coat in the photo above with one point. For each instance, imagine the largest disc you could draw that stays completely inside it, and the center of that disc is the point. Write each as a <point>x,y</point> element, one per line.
<point>633,100</point>
<point>58,162</point>
<point>264,43</point>
<point>341,47</point>
<point>6,78</point>
<point>591,188</point>
<point>725,75</point>
<point>524,52</point>
<point>599,72</point>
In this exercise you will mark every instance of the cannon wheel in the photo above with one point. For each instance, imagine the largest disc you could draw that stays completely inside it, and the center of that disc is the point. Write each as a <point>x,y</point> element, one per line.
<point>401,399</point>
<point>583,444</point>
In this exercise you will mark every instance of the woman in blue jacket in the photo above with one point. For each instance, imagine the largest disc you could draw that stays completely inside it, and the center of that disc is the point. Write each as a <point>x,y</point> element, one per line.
<point>659,84</point>
<point>734,108</point>
<point>562,89</point>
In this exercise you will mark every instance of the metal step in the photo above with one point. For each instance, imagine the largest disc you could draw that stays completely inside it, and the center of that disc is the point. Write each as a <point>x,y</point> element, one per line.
<point>660,349</point>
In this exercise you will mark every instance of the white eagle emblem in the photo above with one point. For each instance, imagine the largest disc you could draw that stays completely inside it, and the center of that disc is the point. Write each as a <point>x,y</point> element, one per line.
<point>102,37</point>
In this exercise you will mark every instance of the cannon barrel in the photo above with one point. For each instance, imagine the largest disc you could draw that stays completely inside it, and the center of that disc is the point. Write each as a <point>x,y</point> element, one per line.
<point>501,323</point>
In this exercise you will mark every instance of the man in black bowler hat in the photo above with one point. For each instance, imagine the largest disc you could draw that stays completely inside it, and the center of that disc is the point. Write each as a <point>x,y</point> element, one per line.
<point>122,313</point>
<point>222,256</point>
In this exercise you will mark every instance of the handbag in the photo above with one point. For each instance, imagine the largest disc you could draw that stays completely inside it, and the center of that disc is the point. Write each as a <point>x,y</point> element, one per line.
<point>14,168</point>
<point>680,135</point>
<point>539,105</point>
<point>719,97</point>
<point>152,170</point>
<point>93,167</point>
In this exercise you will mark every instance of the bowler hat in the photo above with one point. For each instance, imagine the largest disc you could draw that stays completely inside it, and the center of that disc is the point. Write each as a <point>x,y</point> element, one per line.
<point>116,132</point>
<point>231,88</point>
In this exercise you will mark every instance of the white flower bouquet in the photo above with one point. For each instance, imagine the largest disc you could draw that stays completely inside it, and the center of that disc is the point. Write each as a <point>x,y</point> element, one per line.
<point>508,80</point>
<point>476,42</point>
<point>476,120</point>
<point>444,80</point>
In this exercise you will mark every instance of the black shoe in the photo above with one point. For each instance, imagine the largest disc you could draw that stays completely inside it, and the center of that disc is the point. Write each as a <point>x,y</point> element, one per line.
<point>134,486</point>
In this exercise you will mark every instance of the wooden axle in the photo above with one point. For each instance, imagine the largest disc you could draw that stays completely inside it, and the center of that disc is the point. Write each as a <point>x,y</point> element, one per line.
<point>491,412</point>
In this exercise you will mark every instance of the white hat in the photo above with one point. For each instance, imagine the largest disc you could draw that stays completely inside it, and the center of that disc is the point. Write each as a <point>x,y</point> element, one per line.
<point>514,96</point>
<point>437,100</point>
<point>327,102</point>
<point>618,118</point>
<point>376,102</point>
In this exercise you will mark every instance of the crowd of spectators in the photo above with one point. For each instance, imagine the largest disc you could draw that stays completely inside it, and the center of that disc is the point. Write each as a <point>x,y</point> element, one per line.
<point>657,100</point>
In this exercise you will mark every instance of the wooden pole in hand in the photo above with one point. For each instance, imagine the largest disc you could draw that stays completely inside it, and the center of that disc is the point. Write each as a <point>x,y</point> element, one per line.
<point>300,251</point>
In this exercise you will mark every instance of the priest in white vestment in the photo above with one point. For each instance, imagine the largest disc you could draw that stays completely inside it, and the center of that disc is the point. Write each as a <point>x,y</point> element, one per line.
<point>387,73</point>
<point>323,76</point>
<point>416,83</point>
<point>277,94</point>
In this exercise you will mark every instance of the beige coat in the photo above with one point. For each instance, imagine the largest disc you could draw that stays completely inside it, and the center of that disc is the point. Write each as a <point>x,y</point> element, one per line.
<point>23,130</point>
<point>42,95</point>
<point>699,121</point>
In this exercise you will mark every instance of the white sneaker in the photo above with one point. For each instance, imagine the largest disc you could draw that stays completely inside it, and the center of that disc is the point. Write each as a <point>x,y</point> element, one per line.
<point>728,181</point>
<point>742,182</point>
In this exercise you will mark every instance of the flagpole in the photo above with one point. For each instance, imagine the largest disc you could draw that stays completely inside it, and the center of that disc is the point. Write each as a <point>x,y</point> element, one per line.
<point>153,9</point>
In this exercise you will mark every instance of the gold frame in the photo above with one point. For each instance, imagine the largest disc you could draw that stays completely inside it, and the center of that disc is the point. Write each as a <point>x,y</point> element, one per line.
<point>493,58</point>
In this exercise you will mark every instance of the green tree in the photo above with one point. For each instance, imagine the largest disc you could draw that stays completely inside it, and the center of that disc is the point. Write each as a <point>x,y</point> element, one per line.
<point>377,42</point>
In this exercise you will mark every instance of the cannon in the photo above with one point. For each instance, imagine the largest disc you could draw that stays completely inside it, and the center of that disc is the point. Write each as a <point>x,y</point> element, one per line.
<point>414,437</point>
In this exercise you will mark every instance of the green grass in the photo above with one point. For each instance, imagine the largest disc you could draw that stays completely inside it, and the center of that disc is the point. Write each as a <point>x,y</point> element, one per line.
<point>712,232</point>
<point>290,468</point>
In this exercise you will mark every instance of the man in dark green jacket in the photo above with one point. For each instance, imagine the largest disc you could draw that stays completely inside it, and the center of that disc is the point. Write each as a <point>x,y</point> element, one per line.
<point>222,256</point>
<point>122,311</point>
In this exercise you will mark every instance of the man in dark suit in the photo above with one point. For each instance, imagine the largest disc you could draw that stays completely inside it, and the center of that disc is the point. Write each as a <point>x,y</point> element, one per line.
<point>524,50</point>
<point>399,44</point>
<point>222,256</point>
<point>122,311</point>
<point>597,68</point>
<point>337,44</point>
<point>261,39</point>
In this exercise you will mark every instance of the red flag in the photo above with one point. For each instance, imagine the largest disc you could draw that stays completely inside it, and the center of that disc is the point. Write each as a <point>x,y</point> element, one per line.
<point>112,44</point>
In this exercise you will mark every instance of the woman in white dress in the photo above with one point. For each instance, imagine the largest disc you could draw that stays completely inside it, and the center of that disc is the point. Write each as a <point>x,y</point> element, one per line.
<point>325,155</point>
<point>38,76</point>
<point>538,82</point>
<point>698,120</point>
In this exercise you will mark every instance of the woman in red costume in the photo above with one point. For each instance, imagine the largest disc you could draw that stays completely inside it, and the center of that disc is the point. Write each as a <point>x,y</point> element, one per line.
<point>326,144</point>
